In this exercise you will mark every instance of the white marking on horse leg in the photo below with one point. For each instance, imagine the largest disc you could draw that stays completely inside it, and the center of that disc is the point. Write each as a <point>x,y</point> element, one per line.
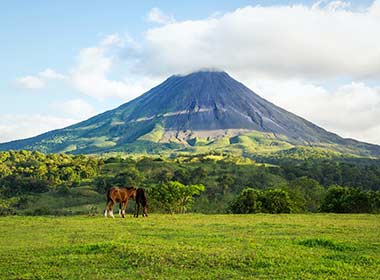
<point>105,213</point>
<point>120,212</point>
<point>111,214</point>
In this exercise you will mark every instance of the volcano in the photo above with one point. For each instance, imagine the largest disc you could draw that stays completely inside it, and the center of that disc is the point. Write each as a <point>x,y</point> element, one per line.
<point>201,111</point>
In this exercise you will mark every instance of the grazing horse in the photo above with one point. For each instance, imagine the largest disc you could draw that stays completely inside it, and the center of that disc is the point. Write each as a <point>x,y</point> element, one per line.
<point>121,195</point>
<point>141,200</point>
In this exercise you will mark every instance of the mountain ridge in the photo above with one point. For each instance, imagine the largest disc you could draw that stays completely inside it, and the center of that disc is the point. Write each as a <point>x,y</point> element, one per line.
<point>204,105</point>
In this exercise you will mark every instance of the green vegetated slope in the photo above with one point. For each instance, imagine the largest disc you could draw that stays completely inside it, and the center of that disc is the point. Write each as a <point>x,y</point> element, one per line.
<point>191,247</point>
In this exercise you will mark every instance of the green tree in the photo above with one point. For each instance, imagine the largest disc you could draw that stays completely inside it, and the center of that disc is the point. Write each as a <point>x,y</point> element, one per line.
<point>128,177</point>
<point>346,200</point>
<point>225,182</point>
<point>276,201</point>
<point>198,175</point>
<point>247,202</point>
<point>306,193</point>
<point>175,197</point>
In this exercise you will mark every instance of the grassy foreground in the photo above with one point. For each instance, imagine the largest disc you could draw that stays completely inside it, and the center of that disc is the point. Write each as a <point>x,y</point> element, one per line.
<point>191,246</point>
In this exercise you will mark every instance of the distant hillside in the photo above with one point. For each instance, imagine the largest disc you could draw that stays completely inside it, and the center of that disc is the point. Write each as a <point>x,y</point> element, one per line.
<point>199,112</point>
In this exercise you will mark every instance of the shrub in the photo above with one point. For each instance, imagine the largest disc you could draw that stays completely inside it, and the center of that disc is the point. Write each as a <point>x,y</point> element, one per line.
<point>175,197</point>
<point>40,211</point>
<point>248,201</point>
<point>346,200</point>
<point>276,201</point>
<point>268,201</point>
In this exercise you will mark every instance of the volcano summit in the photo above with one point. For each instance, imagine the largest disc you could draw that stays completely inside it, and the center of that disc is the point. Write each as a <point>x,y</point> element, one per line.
<point>201,111</point>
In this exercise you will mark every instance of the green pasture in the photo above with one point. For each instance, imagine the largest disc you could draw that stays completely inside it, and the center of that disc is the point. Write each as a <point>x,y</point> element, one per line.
<point>191,246</point>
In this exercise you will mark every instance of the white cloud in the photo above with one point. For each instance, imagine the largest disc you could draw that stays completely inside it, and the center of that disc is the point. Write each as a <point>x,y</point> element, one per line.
<point>77,108</point>
<point>112,40</point>
<point>336,5</point>
<point>30,82</point>
<point>40,80</point>
<point>14,126</point>
<point>50,74</point>
<point>155,15</point>
<point>90,75</point>
<point>312,42</point>
<point>351,110</point>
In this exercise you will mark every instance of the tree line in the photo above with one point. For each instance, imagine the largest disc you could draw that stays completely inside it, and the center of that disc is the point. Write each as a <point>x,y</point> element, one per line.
<point>335,199</point>
<point>206,183</point>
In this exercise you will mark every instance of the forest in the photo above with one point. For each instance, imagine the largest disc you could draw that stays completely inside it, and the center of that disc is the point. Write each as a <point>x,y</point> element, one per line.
<point>33,183</point>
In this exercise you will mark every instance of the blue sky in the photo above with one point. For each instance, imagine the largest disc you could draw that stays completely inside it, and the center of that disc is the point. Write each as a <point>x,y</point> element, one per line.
<point>63,61</point>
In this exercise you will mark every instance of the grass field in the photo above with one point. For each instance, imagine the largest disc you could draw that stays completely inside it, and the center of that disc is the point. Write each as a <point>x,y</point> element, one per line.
<point>191,246</point>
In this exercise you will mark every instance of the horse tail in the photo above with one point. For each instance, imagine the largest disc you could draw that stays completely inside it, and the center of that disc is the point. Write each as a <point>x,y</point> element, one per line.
<point>141,197</point>
<point>108,195</point>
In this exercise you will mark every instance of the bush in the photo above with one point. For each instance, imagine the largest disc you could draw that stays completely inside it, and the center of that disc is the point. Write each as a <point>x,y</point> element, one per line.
<point>255,201</point>
<point>277,201</point>
<point>346,200</point>
<point>40,211</point>
<point>248,201</point>
<point>6,210</point>
<point>174,197</point>
<point>307,194</point>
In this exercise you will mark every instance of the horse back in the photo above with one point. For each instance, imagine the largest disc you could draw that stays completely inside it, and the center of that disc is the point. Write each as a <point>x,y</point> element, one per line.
<point>118,194</point>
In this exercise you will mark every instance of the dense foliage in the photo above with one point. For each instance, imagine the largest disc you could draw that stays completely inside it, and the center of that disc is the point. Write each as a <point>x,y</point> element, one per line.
<point>337,199</point>
<point>175,197</point>
<point>32,182</point>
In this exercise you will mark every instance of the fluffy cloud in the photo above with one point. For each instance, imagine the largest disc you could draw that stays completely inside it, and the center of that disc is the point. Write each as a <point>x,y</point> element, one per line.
<point>90,75</point>
<point>50,74</point>
<point>22,126</point>
<point>112,39</point>
<point>313,42</point>
<point>77,108</point>
<point>155,15</point>
<point>351,110</point>
<point>30,82</point>
<point>39,81</point>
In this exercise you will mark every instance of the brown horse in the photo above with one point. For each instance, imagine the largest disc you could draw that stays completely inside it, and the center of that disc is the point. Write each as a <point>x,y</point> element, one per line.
<point>121,195</point>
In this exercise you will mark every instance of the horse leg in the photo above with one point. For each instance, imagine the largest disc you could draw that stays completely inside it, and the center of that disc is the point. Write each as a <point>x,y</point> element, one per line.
<point>125,203</point>
<point>123,206</point>
<point>145,212</point>
<point>106,211</point>
<point>110,209</point>
<point>137,209</point>
<point>120,207</point>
